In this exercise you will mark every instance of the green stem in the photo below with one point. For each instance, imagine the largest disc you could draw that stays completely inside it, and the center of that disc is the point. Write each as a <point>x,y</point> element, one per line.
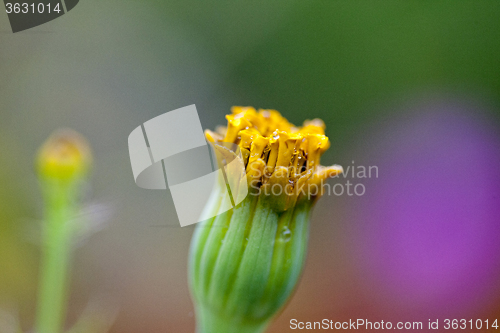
<point>208,322</point>
<point>56,247</point>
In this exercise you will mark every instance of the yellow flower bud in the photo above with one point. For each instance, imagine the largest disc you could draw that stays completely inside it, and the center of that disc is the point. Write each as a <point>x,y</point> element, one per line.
<point>246,262</point>
<point>64,156</point>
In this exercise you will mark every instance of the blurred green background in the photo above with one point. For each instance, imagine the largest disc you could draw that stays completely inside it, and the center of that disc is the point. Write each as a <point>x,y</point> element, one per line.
<point>108,66</point>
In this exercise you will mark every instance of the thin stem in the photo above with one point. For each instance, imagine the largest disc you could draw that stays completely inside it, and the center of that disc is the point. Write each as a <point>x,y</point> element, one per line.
<point>209,322</point>
<point>56,248</point>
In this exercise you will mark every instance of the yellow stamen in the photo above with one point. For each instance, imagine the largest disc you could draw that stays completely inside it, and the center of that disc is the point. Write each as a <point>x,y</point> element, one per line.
<point>212,136</point>
<point>287,143</point>
<point>258,146</point>
<point>273,152</point>
<point>247,136</point>
<point>234,126</point>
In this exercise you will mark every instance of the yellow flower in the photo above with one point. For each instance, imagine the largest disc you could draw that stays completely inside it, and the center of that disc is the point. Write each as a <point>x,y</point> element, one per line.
<point>281,159</point>
<point>245,263</point>
<point>64,156</point>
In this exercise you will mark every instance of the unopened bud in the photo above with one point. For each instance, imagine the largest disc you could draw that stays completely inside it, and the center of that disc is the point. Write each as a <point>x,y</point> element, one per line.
<point>64,156</point>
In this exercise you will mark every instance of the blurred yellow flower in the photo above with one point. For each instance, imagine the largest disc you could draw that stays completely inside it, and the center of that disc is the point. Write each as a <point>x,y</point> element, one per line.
<point>64,156</point>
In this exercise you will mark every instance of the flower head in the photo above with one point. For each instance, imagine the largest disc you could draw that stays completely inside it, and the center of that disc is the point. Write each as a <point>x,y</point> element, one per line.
<point>64,156</point>
<point>245,263</point>
<point>281,159</point>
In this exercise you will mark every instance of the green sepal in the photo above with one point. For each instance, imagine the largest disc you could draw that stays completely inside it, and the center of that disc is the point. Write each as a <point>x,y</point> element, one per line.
<point>245,264</point>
